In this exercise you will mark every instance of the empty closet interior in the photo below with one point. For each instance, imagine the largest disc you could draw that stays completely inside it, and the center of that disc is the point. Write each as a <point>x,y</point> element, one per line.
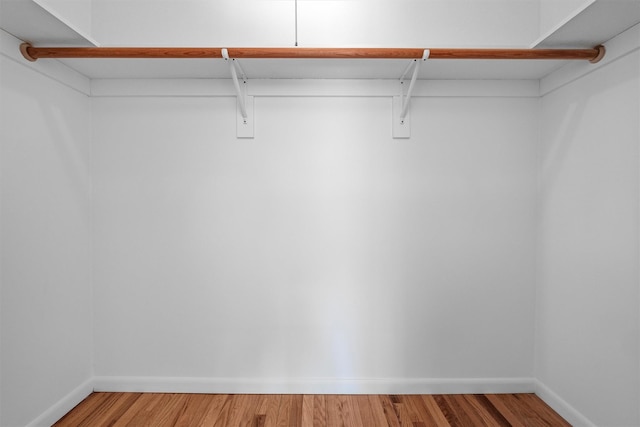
<point>320,197</point>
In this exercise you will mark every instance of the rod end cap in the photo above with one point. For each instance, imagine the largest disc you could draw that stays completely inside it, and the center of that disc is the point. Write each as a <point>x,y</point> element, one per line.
<point>601,52</point>
<point>24,50</point>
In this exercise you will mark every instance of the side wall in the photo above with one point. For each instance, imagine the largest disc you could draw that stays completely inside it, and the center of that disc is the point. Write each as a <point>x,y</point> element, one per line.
<point>46,297</point>
<point>320,256</point>
<point>587,329</point>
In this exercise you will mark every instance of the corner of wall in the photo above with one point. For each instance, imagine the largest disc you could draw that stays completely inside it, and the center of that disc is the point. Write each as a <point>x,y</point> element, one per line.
<point>568,412</point>
<point>618,48</point>
<point>64,405</point>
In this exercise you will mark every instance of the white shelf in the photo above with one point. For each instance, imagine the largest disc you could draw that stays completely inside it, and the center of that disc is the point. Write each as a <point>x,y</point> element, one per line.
<point>28,21</point>
<point>597,23</point>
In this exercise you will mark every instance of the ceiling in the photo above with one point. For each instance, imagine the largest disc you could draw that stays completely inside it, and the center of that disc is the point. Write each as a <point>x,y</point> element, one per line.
<point>596,24</point>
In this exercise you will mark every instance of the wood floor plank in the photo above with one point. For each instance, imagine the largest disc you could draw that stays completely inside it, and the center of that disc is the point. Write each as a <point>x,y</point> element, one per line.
<point>486,410</point>
<point>390,411</point>
<point>88,408</point>
<point>403,414</point>
<point>165,413</point>
<point>138,406</point>
<point>242,411</point>
<point>435,411</point>
<point>307,411</point>
<point>284,412</point>
<point>465,412</point>
<point>334,417</point>
<point>170,409</point>
<point>119,408</point>
<point>111,409</point>
<point>400,408</point>
<point>447,411</point>
<point>363,404</point>
<point>353,415</point>
<point>497,400</point>
<point>523,411</point>
<point>377,411</point>
<point>212,414</point>
<point>260,416</point>
<point>227,413</point>
<point>418,411</point>
<point>142,410</point>
<point>314,412</point>
<point>538,406</point>
<point>319,411</point>
<point>249,417</point>
<point>295,412</point>
<point>246,413</point>
<point>194,410</point>
<point>232,411</point>
<point>222,410</point>
<point>269,408</point>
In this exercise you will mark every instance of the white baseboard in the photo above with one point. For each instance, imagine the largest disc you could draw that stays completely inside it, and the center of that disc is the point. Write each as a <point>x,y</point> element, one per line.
<point>300,386</point>
<point>314,385</point>
<point>568,412</point>
<point>64,405</point>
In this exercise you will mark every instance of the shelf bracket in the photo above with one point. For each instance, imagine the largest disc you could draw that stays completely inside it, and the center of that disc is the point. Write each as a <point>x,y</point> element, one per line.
<point>401,117</point>
<point>244,111</point>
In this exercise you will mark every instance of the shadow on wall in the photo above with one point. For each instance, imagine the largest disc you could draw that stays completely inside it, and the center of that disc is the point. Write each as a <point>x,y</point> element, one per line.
<point>556,155</point>
<point>59,128</point>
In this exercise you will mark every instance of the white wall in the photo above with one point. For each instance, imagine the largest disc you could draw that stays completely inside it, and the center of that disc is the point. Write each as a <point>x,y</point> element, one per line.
<point>320,249</point>
<point>377,23</point>
<point>587,328</point>
<point>46,305</point>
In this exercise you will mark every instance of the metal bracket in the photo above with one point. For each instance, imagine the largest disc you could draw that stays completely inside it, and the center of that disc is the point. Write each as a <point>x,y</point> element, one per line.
<point>244,120</point>
<point>401,117</point>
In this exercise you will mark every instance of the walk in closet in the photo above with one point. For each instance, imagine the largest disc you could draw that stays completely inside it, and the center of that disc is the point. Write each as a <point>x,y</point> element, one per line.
<point>320,196</point>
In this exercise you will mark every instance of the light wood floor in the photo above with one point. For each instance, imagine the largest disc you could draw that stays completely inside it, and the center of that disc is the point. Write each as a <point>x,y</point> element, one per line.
<point>158,410</point>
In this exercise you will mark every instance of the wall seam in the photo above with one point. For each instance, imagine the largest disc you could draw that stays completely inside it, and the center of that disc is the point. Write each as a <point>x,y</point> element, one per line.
<point>638,249</point>
<point>92,238</point>
<point>537,242</point>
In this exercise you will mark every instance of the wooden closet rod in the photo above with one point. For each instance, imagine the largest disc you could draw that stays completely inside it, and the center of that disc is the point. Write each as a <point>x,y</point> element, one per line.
<point>33,53</point>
